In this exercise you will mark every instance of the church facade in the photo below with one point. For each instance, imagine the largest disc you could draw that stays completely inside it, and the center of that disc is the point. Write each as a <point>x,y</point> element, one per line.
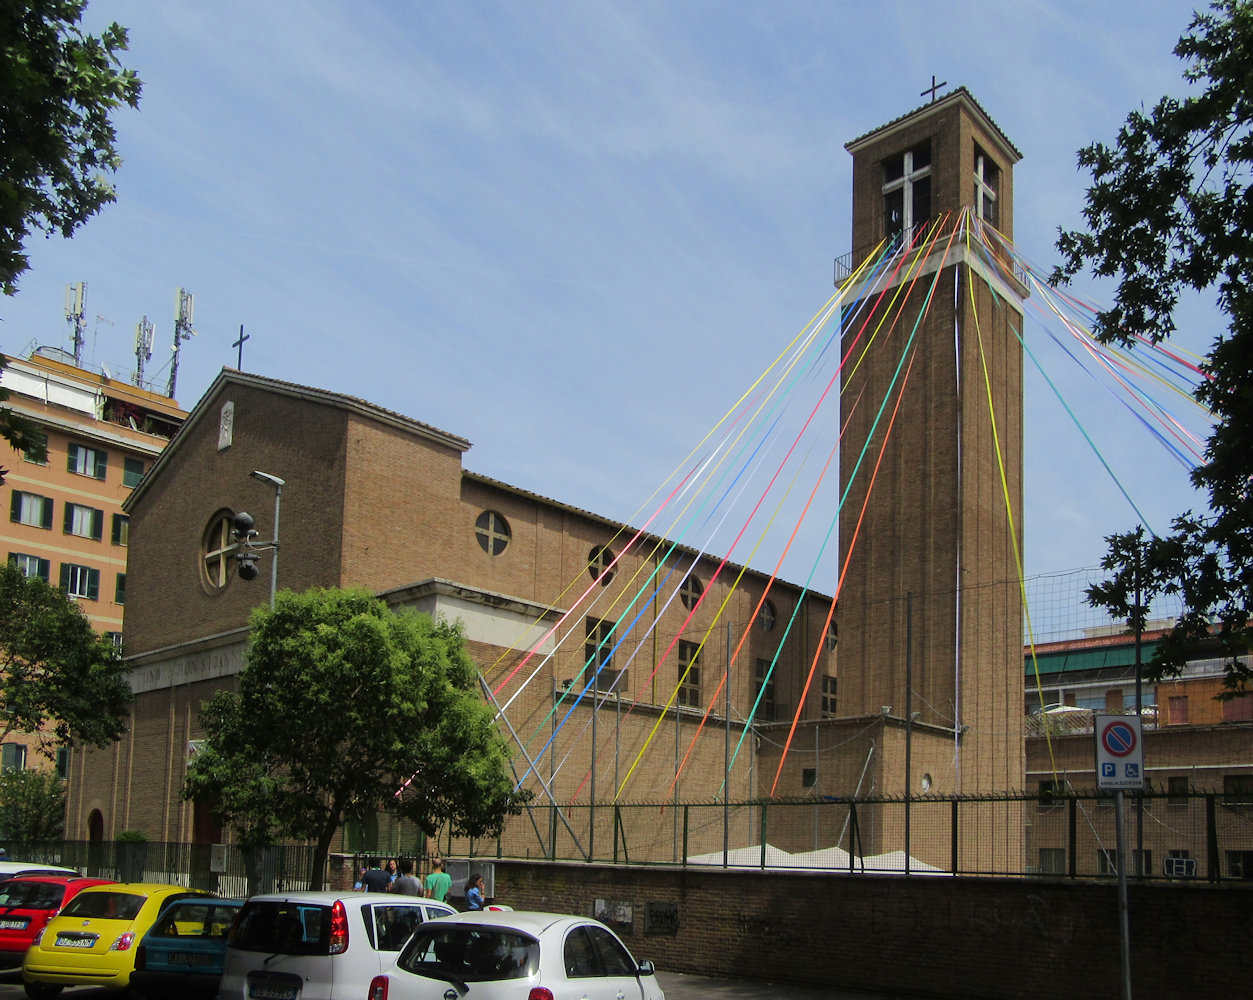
<point>374,499</point>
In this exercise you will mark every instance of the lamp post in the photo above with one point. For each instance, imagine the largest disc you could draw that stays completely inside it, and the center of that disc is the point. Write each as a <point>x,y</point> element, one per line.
<point>278,485</point>
<point>246,549</point>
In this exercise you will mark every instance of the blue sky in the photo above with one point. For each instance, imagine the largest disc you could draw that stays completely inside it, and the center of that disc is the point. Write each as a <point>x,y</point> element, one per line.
<point>573,232</point>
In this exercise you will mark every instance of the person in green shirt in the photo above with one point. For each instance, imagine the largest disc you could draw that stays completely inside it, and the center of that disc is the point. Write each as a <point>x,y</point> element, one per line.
<point>438,882</point>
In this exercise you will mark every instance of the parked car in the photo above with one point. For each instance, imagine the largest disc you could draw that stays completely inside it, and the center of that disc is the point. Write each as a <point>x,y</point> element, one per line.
<point>27,904</point>
<point>500,955</point>
<point>182,955</point>
<point>16,869</point>
<point>319,945</point>
<point>91,942</point>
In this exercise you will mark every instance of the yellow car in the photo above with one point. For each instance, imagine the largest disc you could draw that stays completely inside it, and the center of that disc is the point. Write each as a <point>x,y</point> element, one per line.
<point>92,941</point>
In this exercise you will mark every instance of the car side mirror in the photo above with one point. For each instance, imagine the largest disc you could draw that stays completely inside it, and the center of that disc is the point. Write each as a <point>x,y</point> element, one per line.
<point>646,968</point>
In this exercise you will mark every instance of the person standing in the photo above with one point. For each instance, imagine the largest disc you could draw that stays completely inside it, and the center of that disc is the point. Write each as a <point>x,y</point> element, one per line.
<point>374,879</point>
<point>438,882</point>
<point>406,884</point>
<point>392,872</point>
<point>474,893</point>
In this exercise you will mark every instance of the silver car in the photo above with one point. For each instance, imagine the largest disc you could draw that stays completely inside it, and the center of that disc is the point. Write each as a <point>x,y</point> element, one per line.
<point>510,954</point>
<point>318,945</point>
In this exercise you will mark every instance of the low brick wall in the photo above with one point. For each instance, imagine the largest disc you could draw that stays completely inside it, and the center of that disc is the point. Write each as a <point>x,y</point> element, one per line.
<point>928,936</point>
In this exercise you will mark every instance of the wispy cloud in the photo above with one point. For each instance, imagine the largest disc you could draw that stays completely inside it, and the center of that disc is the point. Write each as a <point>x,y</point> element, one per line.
<point>571,231</point>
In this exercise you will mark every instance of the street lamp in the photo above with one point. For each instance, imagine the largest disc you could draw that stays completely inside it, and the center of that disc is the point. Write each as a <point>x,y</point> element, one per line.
<point>244,533</point>
<point>278,485</point>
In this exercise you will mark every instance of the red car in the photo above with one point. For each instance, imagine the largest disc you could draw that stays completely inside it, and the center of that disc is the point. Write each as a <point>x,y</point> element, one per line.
<point>26,906</point>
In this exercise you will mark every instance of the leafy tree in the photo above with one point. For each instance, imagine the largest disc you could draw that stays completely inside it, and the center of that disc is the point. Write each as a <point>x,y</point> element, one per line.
<point>1170,209</point>
<point>59,680</point>
<point>32,806</point>
<point>345,707</point>
<point>56,138</point>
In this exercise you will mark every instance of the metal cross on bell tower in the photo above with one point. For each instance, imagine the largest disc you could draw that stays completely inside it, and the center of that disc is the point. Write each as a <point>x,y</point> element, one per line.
<point>933,88</point>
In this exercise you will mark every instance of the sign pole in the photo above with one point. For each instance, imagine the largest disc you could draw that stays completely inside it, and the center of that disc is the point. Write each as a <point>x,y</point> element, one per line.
<point>1124,923</point>
<point>1120,765</point>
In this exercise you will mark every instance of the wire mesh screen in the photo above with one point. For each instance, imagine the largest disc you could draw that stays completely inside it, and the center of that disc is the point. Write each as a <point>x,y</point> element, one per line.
<point>1058,609</point>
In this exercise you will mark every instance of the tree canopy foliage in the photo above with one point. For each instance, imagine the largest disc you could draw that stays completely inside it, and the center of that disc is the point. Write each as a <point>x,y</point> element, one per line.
<point>32,806</point>
<point>59,680</point>
<point>1170,209</point>
<point>345,708</point>
<point>57,150</point>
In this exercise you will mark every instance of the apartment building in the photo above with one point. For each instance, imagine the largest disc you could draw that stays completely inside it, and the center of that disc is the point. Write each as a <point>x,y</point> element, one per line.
<point>66,524</point>
<point>1198,761</point>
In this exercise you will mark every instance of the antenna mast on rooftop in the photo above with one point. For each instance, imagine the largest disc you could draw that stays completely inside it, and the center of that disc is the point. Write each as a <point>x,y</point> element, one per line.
<point>143,348</point>
<point>74,296</point>
<point>184,305</point>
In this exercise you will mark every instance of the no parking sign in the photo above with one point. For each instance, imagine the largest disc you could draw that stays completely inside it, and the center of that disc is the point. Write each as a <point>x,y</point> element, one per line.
<point>1119,752</point>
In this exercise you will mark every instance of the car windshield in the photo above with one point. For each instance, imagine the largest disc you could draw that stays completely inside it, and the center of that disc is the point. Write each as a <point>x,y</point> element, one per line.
<point>283,928</point>
<point>108,904</point>
<point>469,953</point>
<point>31,895</point>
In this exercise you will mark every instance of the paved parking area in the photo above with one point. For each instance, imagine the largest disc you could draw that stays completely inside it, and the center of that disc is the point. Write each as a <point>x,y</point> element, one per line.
<point>683,987</point>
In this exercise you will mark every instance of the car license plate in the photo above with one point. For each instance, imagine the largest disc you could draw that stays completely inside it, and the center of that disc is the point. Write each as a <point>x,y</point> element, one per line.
<point>268,991</point>
<point>13,925</point>
<point>74,942</point>
<point>189,958</point>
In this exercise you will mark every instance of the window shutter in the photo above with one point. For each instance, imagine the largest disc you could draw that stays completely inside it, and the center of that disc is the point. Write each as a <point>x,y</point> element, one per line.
<point>93,584</point>
<point>45,568</point>
<point>15,506</point>
<point>97,525</point>
<point>71,458</point>
<point>65,576</point>
<point>67,519</point>
<point>46,520</point>
<point>102,463</point>
<point>119,595</point>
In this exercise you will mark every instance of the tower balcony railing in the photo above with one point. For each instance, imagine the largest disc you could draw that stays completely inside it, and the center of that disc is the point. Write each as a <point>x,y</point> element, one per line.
<point>997,251</point>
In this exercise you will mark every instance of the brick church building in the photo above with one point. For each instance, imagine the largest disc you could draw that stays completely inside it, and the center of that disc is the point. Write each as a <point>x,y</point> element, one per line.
<point>929,674</point>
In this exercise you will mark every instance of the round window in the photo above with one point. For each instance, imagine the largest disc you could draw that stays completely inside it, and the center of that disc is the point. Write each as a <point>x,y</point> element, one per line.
<point>598,562</point>
<point>492,531</point>
<point>216,545</point>
<point>690,590</point>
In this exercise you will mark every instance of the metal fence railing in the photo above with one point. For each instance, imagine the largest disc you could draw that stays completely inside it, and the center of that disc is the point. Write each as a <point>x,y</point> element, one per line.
<point>1198,835</point>
<point>230,871</point>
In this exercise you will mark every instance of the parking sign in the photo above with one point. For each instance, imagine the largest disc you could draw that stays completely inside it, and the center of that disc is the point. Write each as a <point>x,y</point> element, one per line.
<point>1119,752</point>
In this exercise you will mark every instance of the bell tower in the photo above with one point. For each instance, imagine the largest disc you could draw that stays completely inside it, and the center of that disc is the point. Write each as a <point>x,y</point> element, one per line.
<point>930,614</point>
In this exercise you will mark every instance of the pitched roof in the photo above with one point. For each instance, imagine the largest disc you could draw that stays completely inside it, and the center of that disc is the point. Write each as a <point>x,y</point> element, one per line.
<point>324,397</point>
<point>959,96</point>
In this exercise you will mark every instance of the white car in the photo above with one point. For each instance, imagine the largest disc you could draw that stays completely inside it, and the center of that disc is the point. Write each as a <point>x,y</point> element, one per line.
<point>318,945</point>
<point>20,869</point>
<point>494,955</point>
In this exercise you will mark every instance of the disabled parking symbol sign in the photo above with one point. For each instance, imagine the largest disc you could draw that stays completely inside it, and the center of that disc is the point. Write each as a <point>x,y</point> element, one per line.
<point>1119,752</point>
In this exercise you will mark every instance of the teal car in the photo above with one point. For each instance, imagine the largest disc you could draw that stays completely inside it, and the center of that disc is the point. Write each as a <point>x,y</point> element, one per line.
<point>182,955</point>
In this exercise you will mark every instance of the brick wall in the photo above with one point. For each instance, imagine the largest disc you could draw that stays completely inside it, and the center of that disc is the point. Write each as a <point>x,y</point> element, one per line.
<point>937,937</point>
